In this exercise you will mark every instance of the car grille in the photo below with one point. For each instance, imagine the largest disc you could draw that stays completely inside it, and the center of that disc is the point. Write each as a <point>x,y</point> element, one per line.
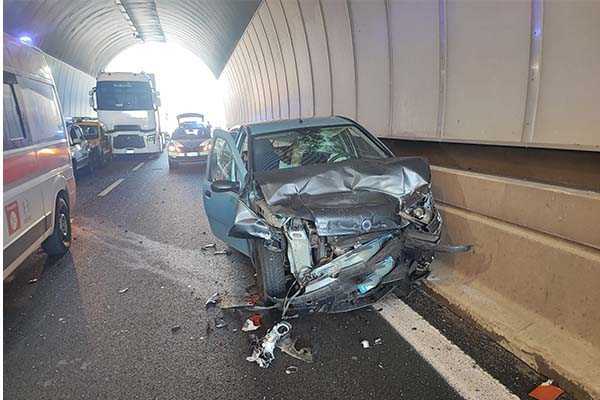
<point>124,141</point>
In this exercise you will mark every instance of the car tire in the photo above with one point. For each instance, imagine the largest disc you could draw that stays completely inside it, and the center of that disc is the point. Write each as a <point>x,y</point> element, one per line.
<point>270,271</point>
<point>59,242</point>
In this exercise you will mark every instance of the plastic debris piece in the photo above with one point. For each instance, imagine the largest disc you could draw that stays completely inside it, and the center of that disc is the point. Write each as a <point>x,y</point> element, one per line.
<point>209,246</point>
<point>32,280</point>
<point>287,344</point>
<point>546,391</point>
<point>292,369</point>
<point>262,354</point>
<point>213,299</point>
<point>221,252</point>
<point>123,290</point>
<point>365,344</point>
<point>220,324</point>
<point>175,328</point>
<point>252,323</point>
<point>378,341</point>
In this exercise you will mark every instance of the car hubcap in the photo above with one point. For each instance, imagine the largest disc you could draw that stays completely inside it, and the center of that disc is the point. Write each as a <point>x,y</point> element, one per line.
<point>63,225</point>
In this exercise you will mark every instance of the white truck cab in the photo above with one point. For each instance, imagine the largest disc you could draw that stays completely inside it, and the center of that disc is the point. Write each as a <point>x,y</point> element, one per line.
<point>127,104</point>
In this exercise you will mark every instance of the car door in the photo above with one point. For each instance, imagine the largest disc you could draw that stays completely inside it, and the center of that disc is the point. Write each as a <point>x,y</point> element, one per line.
<point>77,145</point>
<point>224,165</point>
<point>24,219</point>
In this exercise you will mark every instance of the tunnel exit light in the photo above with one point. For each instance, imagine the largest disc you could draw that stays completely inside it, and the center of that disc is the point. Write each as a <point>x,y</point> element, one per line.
<point>25,39</point>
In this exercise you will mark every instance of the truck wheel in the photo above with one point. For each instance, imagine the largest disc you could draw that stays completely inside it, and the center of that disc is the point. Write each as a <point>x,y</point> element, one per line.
<point>59,242</point>
<point>270,271</point>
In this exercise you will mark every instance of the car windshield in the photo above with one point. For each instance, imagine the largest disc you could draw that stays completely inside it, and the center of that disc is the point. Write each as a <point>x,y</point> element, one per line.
<point>90,132</point>
<point>124,95</point>
<point>190,133</point>
<point>315,145</point>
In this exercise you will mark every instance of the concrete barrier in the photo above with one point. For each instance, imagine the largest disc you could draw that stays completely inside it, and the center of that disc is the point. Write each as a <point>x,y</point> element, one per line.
<point>533,278</point>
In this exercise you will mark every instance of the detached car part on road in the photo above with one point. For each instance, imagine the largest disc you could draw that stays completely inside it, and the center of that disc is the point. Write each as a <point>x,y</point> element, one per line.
<point>330,218</point>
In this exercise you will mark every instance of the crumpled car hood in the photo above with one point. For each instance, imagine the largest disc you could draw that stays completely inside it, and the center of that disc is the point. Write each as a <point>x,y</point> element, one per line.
<point>350,197</point>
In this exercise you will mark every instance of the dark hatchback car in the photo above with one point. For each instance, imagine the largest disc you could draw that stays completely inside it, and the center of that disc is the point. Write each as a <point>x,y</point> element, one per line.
<point>331,220</point>
<point>189,145</point>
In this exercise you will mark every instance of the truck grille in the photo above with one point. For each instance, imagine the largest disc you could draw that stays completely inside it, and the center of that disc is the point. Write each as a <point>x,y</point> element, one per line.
<point>128,141</point>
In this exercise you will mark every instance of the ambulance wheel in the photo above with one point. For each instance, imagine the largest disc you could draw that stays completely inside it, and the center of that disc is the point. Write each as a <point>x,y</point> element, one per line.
<point>59,242</point>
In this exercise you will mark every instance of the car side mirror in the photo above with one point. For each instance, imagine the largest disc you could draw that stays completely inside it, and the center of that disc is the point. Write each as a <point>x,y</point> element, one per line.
<point>225,186</point>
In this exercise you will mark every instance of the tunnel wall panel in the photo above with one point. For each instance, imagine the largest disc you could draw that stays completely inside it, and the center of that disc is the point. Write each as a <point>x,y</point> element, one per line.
<point>519,73</point>
<point>302,55</point>
<point>488,55</point>
<point>73,87</point>
<point>265,79</point>
<point>415,69</point>
<point>370,36</point>
<point>341,51</point>
<point>319,55</point>
<point>569,103</point>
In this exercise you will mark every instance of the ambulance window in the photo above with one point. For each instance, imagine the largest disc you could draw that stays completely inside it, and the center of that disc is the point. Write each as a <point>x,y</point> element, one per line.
<point>41,111</point>
<point>13,129</point>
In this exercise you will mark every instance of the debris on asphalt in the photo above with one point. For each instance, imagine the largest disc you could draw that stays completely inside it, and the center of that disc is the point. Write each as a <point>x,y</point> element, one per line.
<point>252,323</point>
<point>123,290</point>
<point>220,324</point>
<point>292,369</point>
<point>213,299</point>
<point>32,280</point>
<point>63,320</point>
<point>378,341</point>
<point>546,391</point>
<point>262,353</point>
<point>175,328</point>
<point>209,246</point>
<point>365,344</point>
<point>287,344</point>
<point>222,252</point>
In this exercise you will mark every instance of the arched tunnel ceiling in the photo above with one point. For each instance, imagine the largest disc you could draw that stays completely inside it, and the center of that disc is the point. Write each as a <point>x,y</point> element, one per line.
<point>88,34</point>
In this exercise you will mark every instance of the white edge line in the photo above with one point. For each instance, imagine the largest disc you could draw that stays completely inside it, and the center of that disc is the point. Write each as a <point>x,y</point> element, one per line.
<point>138,166</point>
<point>458,369</point>
<point>110,187</point>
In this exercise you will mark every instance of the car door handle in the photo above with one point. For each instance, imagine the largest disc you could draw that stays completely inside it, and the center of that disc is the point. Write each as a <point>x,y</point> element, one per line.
<point>207,193</point>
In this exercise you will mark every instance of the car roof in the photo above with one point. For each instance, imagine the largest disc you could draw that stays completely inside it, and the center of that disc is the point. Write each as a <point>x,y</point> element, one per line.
<point>259,128</point>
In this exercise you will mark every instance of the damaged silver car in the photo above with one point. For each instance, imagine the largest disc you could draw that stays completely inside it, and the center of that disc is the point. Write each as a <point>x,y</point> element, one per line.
<point>331,220</point>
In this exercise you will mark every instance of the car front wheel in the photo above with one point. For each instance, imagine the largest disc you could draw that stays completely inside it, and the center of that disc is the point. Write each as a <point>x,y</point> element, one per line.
<point>270,271</point>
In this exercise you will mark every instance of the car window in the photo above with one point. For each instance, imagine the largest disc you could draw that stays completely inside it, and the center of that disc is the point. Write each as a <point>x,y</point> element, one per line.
<point>315,145</point>
<point>75,134</point>
<point>222,163</point>
<point>13,129</point>
<point>40,110</point>
<point>89,131</point>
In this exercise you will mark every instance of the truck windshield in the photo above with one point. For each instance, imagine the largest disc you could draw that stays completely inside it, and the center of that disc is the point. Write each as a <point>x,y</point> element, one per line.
<point>124,95</point>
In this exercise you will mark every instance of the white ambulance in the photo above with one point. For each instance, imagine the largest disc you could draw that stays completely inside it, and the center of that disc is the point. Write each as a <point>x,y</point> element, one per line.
<point>39,186</point>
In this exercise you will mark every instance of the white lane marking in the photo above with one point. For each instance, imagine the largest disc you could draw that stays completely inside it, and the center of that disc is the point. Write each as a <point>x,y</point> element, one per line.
<point>111,187</point>
<point>457,368</point>
<point>138,166</point>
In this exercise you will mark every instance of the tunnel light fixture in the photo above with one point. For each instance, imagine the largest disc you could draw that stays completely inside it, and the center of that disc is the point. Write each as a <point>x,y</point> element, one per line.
<point>26,39</point>
<point>142,18</point>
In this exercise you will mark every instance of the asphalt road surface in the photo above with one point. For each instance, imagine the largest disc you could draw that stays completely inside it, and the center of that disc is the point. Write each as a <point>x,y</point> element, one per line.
<point>122,316</point>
